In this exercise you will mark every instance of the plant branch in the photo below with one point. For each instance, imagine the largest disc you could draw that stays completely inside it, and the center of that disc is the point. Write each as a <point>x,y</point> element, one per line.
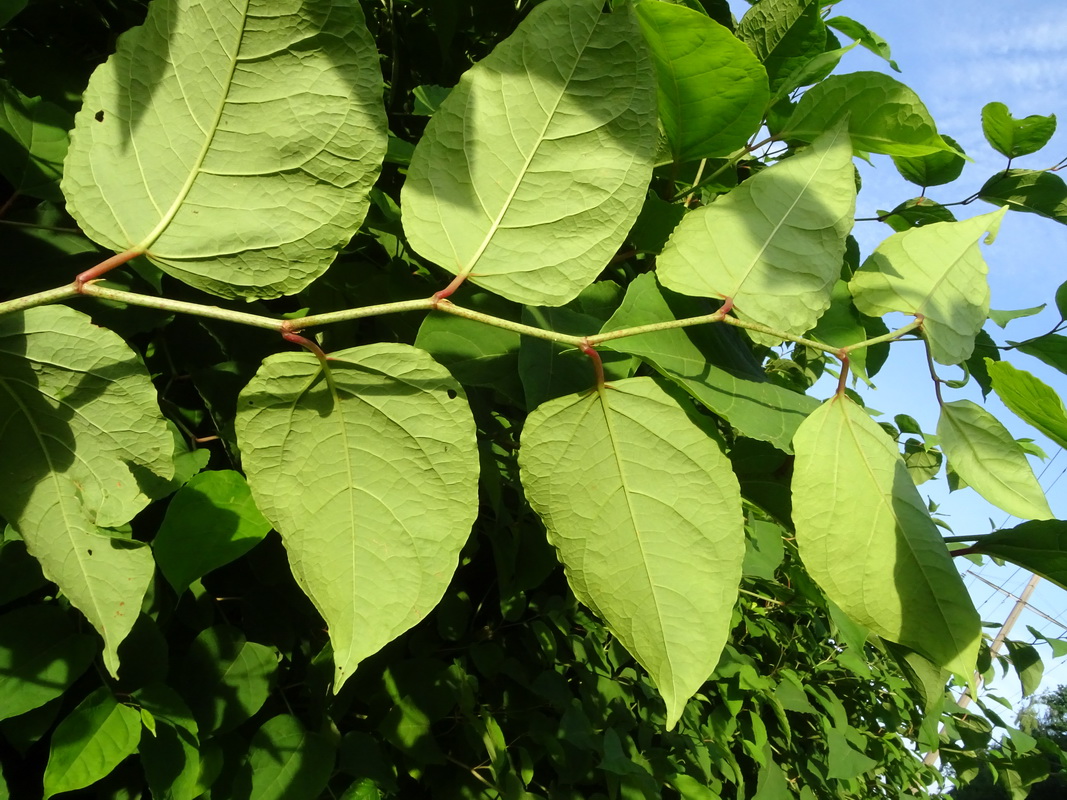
<point>182,307</point>
<point>284,326</point>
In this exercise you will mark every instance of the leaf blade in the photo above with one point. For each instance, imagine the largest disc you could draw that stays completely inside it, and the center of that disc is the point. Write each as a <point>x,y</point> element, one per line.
<point>890,572</point>
<point>474,200</point>
<point>936,271</point>
<point>776,243</point>
<point>90,434</point>
<point>712,90</point>
<point>227,182</point>
<point>593,466</point>
<point>983,453</point>
<point>374,539</point>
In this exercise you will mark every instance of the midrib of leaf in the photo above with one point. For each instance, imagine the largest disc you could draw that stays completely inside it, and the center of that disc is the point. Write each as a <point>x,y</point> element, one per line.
<point>778,225</point>
<point>616,453</point>
<point>888,503</point>
<point>209,137</point>
<point>53,474</point>
<point>496,223</point>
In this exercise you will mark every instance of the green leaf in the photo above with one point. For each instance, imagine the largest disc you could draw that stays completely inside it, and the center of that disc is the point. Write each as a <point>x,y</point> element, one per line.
<point>865,36</point>
<point>699,360</point>
<point>211,521</point>
<point>936,271</point>
<point>934,169</point>
<point>845,762</point>
<point>474,199</point>
<point>32,152</point>
<point>1030,399</point>
<point>983,453</point>
<point>712,90</point>
<point>1050,348</point>
<point>90,742</point>
<point>170,755</point>
<point>775,244</point>
<point>1015,137</point>
<point>225,679</point>
<point>888,568</point>
<point>784,35</point>
<point>475,353</point>
<point>374,538</point>
<point>1027,664</point>
<point>1035,191</point>
<point>884,115</point>
<point>10,9</point>
<point>646,515</point>
<point>81,413</point>
<point>233,144</point>
<point>915,213</point>
<point>1061,300</point>
<point>288,762</point>
<point>1002,318</point>
<point>41,655</point>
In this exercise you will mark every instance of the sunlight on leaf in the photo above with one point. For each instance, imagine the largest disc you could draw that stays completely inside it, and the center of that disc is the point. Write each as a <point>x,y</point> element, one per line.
<point>371,482</point>
<point>551,136</point>
<point>234,142</point>
<point>83,416</point>
<point>887,568</point>
<point>646,515</point>
<point>775,243</point>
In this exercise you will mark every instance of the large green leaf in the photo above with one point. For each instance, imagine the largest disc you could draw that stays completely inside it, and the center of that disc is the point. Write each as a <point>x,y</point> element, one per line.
<point>712,90</point>
<point>1039,546</point>
<point>41,655</point>
<point>289,762</point>
<point>784,35</point>
<point>646,515</point>
<point>235,143</point>
<point>388,440</point>
<point>936,271</point>
<point>549,138</point>
<point>80,412</point>
<point>1016,137</point>
<point>884,115</point>
<point>1036,191</point>
<point>225,678</point>
<point>775,244</point>
<point>1030,399</point>
<point>983,453</point>
<point>700,360</point>
<point>35,144</point>
<point>209,522</point>
<point>866,537</point>
<point>91,742</point>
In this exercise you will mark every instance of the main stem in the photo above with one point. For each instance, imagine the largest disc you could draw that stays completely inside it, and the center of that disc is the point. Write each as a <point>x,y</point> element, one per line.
<point>435,303</point>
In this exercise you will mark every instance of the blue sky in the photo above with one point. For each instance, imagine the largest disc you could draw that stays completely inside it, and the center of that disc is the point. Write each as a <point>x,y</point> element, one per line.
<point>958,56</point>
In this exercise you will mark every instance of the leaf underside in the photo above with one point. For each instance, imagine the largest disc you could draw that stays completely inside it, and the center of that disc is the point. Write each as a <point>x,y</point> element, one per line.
<point>645,513</point>
<point>371,482</point>
<point>887,567</point>
<point>236,143</point>
<point>551,137</point>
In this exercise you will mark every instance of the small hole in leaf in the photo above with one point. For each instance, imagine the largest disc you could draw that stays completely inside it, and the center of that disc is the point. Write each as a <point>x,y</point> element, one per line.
<point>99,116</point>
<point>451,394</point>
<point>90,552</point>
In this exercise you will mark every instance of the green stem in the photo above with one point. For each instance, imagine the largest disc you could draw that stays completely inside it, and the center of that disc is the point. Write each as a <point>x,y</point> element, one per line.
<point>38,299</point>
<point>358,313</point>
<point>180,307</point>
<point>448,307</point>
<point>423,304</point>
